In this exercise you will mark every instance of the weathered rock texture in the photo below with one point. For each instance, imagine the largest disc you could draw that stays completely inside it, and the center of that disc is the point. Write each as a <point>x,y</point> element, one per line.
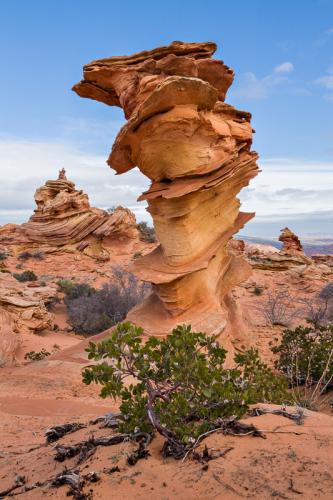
<point>196,150</point>
<point>63,217</point>
<point>290,242</point>
<point>22,308</point>
<point>291,254</point>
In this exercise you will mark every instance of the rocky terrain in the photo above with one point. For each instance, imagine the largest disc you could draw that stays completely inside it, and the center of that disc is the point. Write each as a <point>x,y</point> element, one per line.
<point>196,149</point>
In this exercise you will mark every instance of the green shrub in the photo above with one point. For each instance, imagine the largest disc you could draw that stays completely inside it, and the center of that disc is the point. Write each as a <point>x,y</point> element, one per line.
<point>136,255</point>
<point>37,355</point>
<point>179,385</point>
<point>257,290</point>
<point>305,356</point>
<point>25,276</point>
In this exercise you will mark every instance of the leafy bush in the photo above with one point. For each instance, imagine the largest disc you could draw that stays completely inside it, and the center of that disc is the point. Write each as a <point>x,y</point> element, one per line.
<point>306,355</point>
<point>147,233</point>
<point>181,388</point>
<point>75,290</point>
<point>37,355</point>
<point>91,311</point>
<point>25,276</point>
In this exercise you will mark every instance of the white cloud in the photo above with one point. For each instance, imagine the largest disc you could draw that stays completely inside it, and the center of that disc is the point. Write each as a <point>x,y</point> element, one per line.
<point>284,188</point>
<point>251,87</point>
<point>286,67</point>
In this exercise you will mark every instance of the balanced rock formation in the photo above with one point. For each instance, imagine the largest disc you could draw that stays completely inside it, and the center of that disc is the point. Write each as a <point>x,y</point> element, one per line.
<point>196,150</point>
<point>63,217</point>
<point>290,242</point>
<point>290,256</point>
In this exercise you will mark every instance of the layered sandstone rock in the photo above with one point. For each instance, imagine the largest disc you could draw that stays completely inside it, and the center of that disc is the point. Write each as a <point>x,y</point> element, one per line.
<point>63,217</point>
<point>22,308</point>
<point>290,256</point>
<point>290,242</point>
<point>196,150</point>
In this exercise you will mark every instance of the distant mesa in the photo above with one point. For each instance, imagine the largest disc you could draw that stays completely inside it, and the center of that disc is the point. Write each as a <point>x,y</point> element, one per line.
<point>64,218</point>
<point>196,150</point>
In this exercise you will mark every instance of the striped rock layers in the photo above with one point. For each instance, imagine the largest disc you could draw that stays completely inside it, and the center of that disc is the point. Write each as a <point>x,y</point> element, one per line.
<point>196,150</point>
<point>63,219</point>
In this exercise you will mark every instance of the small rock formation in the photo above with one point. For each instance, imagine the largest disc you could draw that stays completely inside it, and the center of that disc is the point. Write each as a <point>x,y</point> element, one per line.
<point>291,243</point>
<point>63,217</point>
<point>22,308</point>
<point>196,150</point>
<point>291,254</point>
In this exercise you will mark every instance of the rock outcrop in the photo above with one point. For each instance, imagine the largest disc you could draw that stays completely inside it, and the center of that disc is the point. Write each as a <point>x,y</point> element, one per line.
<point>63,217</point>
<point>290,242</point>
<point>22,308</point>
<point>291,254</point>
<point>196,150</point>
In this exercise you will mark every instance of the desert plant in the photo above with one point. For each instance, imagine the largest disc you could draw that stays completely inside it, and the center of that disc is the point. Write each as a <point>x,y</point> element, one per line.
<point>257,290</point>
<point>137,255</point>
<point>3,255</point>
<point>318,310</point>
<point>278,308</point>
<point>38,255</point>
<point>37,355</point>
<point>305,357</point>
<point>91,311</point>
<point>24,255</point>
<point>179,385</point>
<point>147,233</point>
<point>25,276</point>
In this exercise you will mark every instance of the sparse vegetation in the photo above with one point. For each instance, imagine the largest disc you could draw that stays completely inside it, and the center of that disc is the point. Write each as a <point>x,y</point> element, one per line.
<point>137,255</point>
<point>257,290</point>
<point>91,311</point>
<point>3,255</point>
<point>182,388</point>
<point>279,308</point>
<point>25,276</point>
<point>24,255</point>
<point>147,233</point>
<point>37,355</point>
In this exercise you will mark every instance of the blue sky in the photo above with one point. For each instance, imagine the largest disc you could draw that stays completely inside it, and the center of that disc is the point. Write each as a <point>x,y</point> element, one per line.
<point>282,54</point>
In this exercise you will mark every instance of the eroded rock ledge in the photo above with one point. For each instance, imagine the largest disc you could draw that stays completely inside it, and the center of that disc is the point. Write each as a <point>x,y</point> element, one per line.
<point>196,149</point>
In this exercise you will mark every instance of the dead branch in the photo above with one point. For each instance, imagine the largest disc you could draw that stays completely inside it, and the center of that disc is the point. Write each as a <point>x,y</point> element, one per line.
<point>58,431</point>
<point>298,416</point>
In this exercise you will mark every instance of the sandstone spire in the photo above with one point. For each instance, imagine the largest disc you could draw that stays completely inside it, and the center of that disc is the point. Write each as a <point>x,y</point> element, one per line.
<point>196,150</point>
<point>290,241</point>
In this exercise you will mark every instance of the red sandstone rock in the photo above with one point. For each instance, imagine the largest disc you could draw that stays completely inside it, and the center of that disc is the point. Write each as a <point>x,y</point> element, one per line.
<point>196,150</point>
<point>291,242</point>
<point>64,217</point>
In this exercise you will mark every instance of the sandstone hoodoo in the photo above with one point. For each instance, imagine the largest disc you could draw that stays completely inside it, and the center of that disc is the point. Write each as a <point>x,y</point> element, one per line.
<point>291,242</point>
<point>196,150</point>
<point>64,219</point>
